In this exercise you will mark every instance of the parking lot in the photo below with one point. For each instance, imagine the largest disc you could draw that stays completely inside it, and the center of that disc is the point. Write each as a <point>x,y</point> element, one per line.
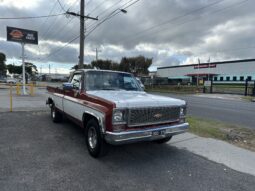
<point>36,154</point>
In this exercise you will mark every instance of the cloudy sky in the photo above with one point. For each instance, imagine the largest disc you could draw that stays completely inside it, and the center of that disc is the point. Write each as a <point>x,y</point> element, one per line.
<point>171,32</point>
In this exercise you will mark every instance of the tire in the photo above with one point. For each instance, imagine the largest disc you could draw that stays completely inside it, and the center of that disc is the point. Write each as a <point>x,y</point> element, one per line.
<point>96,145</point>
<point>164,140</point>
<point>56,116</point>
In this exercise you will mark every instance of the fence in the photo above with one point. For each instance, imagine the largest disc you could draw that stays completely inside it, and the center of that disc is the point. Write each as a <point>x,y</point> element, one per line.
<point>246,89</point>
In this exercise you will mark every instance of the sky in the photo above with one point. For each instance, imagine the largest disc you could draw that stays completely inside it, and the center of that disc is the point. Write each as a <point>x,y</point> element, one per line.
<point>171,32</point>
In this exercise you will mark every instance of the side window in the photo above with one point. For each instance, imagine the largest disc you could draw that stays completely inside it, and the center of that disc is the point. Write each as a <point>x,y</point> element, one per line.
<point>76,81</point>
<point>129,83</point>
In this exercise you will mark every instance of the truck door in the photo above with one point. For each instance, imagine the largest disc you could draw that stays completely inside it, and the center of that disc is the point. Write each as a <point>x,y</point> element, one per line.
<point>71,102</point>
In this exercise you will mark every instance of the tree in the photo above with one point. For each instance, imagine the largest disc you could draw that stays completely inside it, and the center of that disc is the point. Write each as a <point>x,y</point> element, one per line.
<point>14,69</point>
<point>138,65</point>
<point>30,68</point>
<point>85,66</point>
<point>2,64</point>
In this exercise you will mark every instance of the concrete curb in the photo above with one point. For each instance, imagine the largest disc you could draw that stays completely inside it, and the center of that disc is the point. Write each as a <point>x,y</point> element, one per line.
<point>236,158</point>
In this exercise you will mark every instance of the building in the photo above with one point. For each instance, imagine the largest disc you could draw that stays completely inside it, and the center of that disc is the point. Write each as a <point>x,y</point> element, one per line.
<point>235,71</point>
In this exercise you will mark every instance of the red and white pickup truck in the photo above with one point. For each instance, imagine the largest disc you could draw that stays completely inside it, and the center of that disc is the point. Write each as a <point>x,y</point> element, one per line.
<point>113,109</point>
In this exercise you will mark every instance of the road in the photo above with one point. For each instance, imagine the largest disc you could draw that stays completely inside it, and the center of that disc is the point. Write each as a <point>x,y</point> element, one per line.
<point>230,111</point>
<point>36,154</point>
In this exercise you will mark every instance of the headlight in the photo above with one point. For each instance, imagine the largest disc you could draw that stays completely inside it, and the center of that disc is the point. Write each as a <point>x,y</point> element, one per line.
<point>119,116</point>
<point>183,111</point>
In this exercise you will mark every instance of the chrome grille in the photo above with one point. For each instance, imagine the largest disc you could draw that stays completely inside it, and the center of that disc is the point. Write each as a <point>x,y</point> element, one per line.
<point>153,115</point>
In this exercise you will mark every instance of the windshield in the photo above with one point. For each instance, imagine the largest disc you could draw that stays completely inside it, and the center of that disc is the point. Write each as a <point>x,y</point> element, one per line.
<point>102,80</point>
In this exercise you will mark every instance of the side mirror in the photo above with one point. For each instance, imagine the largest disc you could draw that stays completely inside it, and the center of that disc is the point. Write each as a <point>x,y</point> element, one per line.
<point>68,86</point>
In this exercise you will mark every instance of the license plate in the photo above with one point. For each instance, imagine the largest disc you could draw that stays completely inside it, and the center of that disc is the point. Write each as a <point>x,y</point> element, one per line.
<point>160,132</point>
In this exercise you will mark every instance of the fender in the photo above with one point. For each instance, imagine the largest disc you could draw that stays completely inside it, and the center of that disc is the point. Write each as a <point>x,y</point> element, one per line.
<point>100,119</point>
<point>49,101</point>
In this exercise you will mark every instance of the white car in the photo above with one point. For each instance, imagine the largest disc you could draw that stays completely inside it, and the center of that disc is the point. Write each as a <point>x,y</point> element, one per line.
<point>11,81</point>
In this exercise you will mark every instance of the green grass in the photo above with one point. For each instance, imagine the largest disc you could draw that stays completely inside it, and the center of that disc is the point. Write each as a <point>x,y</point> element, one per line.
<point>248,98</point>
<point>232,133</point>
<point>206,128</point>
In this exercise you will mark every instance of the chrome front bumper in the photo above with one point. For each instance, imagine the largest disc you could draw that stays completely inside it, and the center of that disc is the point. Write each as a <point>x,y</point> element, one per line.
<point>117,138</point>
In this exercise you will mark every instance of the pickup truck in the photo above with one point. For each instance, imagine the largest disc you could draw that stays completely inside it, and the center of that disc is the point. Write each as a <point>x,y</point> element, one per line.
<point>114,109</point>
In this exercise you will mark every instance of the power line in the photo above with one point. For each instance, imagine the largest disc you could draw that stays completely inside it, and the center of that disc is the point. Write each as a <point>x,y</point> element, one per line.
<point>136,35</point>
<point>61,6</point>
<point>117,11</point>
<point>88,2</point>
<point>93,25</point>
<point>31,17</point>
<point>74,3</point>
<point>175,18</point>
<point>51,11</point>
<point>75,38</point>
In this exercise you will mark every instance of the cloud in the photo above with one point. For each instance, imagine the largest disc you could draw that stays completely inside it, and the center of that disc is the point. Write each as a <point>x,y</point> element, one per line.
<point>171,32</point>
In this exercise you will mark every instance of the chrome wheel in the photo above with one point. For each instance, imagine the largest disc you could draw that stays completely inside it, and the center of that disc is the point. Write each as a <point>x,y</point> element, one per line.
<point>92,137</point>
<point>53,113</point>
<point>56,116</point>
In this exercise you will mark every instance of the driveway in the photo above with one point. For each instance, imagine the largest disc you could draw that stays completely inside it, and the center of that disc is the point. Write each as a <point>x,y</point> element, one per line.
<point>36,154</point>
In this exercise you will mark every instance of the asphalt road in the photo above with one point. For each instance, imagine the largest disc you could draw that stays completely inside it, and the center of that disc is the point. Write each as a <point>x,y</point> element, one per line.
<point>36,154</point>
<point>230,111</point>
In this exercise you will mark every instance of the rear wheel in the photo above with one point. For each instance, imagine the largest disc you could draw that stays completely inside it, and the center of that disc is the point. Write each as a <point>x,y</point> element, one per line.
<point>56,116</point>
<point>95,143</point>
<point>164,140</point>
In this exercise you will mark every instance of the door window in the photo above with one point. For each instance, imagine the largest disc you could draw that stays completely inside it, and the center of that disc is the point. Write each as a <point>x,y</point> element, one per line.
<point>76,81</point>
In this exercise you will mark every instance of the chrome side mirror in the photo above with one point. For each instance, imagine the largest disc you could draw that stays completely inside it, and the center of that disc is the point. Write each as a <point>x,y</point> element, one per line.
<point>68,86</point>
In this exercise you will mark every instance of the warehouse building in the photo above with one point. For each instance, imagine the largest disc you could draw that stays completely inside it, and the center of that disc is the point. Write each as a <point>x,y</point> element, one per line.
<point>235,71</point>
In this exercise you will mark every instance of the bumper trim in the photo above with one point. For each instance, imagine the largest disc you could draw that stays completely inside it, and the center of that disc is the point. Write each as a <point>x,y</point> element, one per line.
<point>117,138</point>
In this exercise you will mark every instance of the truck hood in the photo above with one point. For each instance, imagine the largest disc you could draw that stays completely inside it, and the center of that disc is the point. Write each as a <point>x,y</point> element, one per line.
<point>129,99</point>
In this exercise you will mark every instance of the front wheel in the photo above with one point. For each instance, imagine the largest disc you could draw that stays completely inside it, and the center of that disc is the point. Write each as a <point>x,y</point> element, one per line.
<point>164,140</point>
<point>56,116</point>
<point>95,143</point>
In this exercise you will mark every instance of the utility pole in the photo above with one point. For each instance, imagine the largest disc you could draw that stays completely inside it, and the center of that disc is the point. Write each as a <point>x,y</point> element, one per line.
<point>82,35</point>
<point>97,50</point>
<point>208,69</point>
<point>49,69</point>
<point>23,69</point>
<point>198,71</point>
<point>82,30</point>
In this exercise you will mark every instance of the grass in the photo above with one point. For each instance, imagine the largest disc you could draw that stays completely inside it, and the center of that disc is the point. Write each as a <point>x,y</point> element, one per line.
<point>248,98</point>
<point>234,134</point>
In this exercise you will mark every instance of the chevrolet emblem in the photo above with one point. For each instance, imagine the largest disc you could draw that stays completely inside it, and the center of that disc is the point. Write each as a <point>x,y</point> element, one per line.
<point>158,115</point>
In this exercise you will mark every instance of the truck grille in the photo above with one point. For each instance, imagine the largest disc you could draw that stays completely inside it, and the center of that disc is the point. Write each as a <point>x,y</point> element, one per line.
<point>153,115</point>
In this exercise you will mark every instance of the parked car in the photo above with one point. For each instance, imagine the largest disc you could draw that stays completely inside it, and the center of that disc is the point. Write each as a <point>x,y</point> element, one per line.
<point>2,80</point>
<point>113,109</point>
<point>11,81</point>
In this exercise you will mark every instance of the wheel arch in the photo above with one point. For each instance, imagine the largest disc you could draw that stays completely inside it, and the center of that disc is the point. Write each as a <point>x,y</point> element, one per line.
<point>50,101</point>
<point>88,116</point>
